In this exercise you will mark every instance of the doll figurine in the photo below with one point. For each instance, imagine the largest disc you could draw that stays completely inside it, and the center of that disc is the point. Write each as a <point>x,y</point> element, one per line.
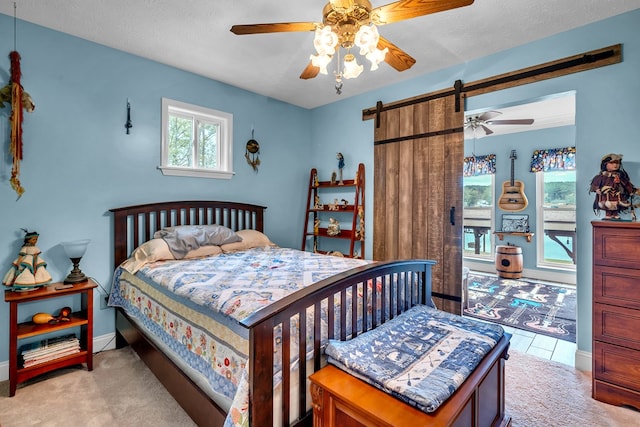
<point>28,271</point>
<point>613,187</point>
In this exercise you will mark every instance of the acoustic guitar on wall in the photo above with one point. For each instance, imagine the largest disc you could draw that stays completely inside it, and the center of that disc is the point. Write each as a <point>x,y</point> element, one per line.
<point>513,198</point>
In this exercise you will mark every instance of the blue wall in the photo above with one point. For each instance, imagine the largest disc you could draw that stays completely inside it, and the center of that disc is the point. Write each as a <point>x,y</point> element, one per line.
<point>78,161</point>
<point>606,106</point>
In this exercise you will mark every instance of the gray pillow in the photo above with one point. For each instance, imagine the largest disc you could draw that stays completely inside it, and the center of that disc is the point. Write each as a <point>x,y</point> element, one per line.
<point>183,238</point>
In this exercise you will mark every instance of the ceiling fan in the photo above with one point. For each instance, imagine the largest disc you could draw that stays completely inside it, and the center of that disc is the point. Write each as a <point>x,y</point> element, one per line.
<point>345,19</point>
<point>486,119</point>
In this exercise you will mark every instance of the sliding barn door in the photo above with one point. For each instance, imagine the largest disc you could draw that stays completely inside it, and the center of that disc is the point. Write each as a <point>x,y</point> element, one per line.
<point>418,156</point>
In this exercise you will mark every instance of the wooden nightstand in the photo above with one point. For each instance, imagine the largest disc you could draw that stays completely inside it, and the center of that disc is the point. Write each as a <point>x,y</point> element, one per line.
<point>19,331</point>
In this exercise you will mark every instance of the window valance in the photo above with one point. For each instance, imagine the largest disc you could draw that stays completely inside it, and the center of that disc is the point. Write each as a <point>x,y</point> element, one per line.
<point>480,165</point>
<point>554,159</point>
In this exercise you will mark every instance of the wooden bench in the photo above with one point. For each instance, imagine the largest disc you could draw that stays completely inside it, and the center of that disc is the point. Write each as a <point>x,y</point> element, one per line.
<point>342,400</point>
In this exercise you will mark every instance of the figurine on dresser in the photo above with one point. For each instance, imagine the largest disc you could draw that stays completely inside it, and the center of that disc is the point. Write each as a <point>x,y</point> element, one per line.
<point>613,188</point>
<point>28,271</point>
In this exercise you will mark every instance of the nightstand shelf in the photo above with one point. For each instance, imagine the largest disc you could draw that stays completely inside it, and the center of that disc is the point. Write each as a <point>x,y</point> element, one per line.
<point>82,319</point>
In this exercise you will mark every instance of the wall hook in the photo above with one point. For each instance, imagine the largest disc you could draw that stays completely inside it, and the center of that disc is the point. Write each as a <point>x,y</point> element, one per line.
<point>128,125</point>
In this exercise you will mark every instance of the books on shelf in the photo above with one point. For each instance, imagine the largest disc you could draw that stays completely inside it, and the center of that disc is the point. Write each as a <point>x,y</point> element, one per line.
<point>49,349</point>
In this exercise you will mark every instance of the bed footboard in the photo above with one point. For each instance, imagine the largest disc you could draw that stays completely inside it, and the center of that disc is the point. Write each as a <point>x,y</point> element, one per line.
<point>365,297</point>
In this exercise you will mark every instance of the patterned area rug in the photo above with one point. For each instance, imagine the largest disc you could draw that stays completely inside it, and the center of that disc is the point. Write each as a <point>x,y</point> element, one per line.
<point>542,308</point>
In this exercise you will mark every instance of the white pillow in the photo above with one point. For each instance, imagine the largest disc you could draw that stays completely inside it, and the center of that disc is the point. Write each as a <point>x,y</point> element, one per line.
<point>250,239</point>
<point>158,250</point>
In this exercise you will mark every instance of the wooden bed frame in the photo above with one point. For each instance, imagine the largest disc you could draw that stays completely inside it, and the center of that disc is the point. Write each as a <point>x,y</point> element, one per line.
<point>135,225</point>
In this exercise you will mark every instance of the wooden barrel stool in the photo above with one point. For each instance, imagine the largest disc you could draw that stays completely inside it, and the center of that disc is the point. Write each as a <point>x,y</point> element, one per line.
<point>509,262</point>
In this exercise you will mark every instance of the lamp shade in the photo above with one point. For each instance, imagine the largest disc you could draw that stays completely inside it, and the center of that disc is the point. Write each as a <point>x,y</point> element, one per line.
<point>76,248</point>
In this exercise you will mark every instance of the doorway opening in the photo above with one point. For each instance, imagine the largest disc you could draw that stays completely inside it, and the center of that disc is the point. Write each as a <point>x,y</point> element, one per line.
<point>535,301</point>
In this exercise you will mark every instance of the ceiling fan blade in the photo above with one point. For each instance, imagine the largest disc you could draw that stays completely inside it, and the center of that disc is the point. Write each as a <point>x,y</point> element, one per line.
<point>511,122</point>
<point>407,9</point>
<point>396,57</point>
<point>487,131</point>
<point>488,115</point>
<point>310,72</point>
<point>281,27</point>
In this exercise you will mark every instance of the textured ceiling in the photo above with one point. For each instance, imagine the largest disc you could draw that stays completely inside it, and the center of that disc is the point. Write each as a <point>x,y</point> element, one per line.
<point>194,35</point>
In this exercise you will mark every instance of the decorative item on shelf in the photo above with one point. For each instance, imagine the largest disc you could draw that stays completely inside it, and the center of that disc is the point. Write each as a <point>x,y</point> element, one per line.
<point>316,225</point>
<point>515,223</point>
<point>613,188</point>
<point>360,228</point>
<point>28,271</point>
<point>340,158</point>
<point>334,206</point>
<point>75,251</point>
<point>128,125</point>
<point>334,178</point>
<point>316,182</point>
<point>14,94</point>
<point>43,318</point>
<point>252,153</point>
<point>316,202</point>
<point>336,253</point>
<point>345,203</point>
<point>333,229</point>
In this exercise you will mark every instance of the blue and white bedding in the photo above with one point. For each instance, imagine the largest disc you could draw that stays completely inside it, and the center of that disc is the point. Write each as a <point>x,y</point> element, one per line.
<point>421,357</point>
<point>193,307</point>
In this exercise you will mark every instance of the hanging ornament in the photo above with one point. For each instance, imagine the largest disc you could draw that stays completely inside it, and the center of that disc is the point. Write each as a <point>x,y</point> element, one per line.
<point>252,153</point>
<point>14,94</point>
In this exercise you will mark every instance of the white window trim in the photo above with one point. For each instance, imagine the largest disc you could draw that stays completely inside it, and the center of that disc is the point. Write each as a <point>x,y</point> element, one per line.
<point>540,226</point>
<point>492,243</point>
<point>225,149</point>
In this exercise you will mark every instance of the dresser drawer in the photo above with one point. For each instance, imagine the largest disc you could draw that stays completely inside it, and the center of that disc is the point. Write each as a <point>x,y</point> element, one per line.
<point>616,365</point>
<point>617,286</point>
<point>616,325</point>
<point>616,244</point>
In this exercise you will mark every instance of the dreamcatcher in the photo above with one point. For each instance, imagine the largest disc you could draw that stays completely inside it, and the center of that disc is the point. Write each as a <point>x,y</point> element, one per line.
<point>252,153</point>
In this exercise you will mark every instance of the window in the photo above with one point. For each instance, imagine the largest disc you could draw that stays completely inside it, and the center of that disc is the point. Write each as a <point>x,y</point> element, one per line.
<point>557,243</point>
<point>477,216</point>
<point>196,141</point>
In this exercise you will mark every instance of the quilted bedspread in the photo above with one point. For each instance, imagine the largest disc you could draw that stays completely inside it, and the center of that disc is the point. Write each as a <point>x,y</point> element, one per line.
<point>194,307</point>
<point>421,357</point>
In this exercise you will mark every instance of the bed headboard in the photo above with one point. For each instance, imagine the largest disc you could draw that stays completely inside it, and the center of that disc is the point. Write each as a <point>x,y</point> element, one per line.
<point>134,225</point>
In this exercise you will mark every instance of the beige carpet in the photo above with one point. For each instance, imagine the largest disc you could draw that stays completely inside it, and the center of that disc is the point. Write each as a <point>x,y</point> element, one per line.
<point>121,391</point>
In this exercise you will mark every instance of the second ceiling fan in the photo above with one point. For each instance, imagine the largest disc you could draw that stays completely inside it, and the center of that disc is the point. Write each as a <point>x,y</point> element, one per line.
<point>351,24</point>
<point>486,120</point>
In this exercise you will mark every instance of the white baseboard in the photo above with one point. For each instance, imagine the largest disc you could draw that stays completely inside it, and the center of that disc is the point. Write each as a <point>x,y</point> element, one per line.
<point>584,361</point>
<point>101,343</point>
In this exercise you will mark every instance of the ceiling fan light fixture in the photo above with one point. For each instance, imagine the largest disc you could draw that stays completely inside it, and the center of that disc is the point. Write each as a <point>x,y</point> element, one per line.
<point>367,39</point>
<point>321,61</point>
<point>351,67</point>
<point>325,41</point>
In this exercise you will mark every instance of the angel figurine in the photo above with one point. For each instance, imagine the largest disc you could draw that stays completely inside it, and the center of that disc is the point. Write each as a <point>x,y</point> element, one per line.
<point>28,271</point>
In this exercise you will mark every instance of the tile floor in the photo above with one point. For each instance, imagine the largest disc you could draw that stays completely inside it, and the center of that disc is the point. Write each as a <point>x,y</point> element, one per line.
<point>542,346</point>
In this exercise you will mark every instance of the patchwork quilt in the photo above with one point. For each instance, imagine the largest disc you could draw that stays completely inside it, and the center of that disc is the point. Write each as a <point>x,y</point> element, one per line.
<point>194,308</point>
<point>421,357</point>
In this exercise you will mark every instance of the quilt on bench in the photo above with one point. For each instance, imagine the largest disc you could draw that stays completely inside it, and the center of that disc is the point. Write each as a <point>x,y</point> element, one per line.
<point>421,357</point>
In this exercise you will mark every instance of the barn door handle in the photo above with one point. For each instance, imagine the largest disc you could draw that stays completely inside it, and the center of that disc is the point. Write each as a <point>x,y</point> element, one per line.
<point>452,215</point>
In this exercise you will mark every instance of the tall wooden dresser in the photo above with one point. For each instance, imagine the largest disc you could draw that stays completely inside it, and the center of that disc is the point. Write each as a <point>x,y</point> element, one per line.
<point>616,312</point>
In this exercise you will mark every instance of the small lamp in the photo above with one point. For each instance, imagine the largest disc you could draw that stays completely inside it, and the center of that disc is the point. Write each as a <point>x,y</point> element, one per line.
<point>75,251</point>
